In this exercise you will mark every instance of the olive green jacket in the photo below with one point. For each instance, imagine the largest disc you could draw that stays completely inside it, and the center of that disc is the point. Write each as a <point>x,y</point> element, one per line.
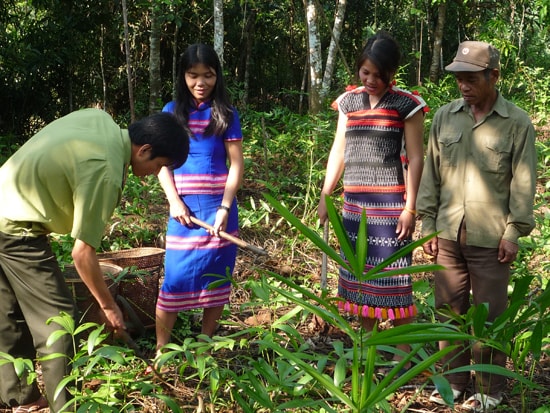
<point>482,172</point>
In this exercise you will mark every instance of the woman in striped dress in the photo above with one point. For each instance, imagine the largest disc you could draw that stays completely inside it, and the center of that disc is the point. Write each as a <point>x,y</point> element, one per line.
<point>374,121</point>
<point>204,187</point>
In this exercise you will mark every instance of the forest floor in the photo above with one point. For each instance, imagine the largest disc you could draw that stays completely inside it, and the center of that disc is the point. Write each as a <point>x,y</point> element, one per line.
<point>409,398</point>
<point>306,265</point>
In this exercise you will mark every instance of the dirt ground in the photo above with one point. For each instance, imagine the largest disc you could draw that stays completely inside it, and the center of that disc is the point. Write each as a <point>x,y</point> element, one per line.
<point>307,264</point>
<point>410,395</point>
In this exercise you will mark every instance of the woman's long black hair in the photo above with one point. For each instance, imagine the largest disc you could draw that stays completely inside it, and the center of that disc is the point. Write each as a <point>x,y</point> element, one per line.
<point>222,112</point>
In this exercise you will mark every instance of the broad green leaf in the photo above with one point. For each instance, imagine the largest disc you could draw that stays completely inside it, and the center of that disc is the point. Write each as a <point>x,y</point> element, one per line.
<point>481,312</point>
<point>56,335</point>
<point>361,246</point>
<point>340,371</point>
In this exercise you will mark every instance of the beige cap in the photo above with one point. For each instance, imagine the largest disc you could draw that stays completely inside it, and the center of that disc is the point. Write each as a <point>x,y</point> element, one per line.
<point>473,57</point>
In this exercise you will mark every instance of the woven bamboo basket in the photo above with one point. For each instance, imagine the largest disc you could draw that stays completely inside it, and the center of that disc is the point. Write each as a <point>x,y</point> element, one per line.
<point>86,304</point>
<point>139,288</point>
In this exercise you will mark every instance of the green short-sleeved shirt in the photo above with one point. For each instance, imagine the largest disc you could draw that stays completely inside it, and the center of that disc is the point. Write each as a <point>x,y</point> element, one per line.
<point>67,178</point>
<point>483,172</point>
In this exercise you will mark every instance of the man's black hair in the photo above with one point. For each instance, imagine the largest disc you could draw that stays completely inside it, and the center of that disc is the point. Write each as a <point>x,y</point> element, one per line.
<point>167,137</point>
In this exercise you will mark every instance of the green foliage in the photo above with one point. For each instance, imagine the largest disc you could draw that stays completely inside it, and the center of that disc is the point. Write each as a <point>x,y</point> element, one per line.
<point>22,367</point>
<point>8,146</point>
<point>110,367</point>
<point>62,246</point>
<point>274,142</point>
<point>304,372</point>
<point>363,358</point>
<point>354,260</point>
<point>46,76</point>
<point>521,332</point>
<point>277,369</point>
<point>271,367</point>
<point>136,220</point>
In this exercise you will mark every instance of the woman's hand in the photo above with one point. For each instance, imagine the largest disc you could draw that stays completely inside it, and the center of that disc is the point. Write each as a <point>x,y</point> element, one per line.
<point>322,209</point>
<point>180,212</point>
<point>220,223</point>
<point>405,225</point>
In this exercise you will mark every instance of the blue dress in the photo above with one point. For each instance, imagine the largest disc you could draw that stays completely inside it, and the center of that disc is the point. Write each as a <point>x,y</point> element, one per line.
<point>194,259</point>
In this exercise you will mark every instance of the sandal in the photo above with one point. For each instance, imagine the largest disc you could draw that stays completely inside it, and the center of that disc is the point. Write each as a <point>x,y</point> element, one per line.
<point>35,406</point>
<point>152,365</point>
<point>148,370</point>
<point>481,403</point>
<point>435,397</point>
<point>155,371</point>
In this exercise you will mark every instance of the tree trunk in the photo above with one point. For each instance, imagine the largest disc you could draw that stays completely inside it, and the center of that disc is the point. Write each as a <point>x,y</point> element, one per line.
<point>314,57</point>
<point>128,62</point>
<point>218,29</point>
<point>102,66</point>
<point>250,24</point>
<point>154,61</point>
<point>333,47</point>
<point>175,59</point>
<point>417,42</point>
<point>438,40</point>
<point>303,87</point>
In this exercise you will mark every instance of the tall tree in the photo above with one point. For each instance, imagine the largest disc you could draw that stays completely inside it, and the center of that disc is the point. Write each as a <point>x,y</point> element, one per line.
<point>175,59</point>
<point>246,57</point>
<point>264,44</point>
<point>128,61</point>
<point>218,28</point>
<point>314,57</point>
<point>155,83</point>
<point>438,41</point>
<point>334,47</point>
<point>174,16</point>
<point>102,65</point>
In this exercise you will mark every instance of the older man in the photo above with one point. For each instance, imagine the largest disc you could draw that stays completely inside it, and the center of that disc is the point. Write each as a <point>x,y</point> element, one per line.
<point>477,190</point>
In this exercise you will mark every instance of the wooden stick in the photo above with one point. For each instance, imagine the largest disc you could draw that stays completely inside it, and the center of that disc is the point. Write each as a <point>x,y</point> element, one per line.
<point>230,238</point>
<point>129,341</point>
<point>324,259</point>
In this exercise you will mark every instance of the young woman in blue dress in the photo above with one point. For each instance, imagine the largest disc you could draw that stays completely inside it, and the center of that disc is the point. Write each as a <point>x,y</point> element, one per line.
<point>204,187</point>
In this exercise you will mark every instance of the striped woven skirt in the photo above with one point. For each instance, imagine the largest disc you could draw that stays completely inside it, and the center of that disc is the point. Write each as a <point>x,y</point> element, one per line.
<point>198,266</point>
<point>386,297</point>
